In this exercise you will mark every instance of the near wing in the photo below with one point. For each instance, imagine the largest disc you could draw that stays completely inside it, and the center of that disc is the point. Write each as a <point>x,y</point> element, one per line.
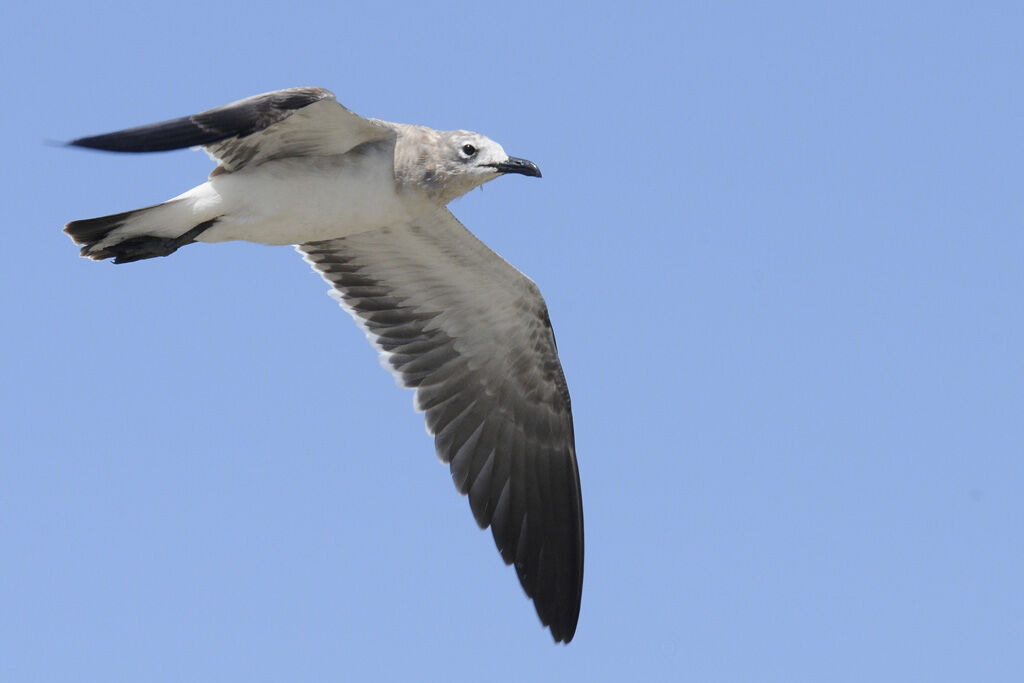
<point>274,125</point>
<point>471,335</point>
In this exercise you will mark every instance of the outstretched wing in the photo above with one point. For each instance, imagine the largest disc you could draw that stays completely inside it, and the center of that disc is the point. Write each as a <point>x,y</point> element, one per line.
<point>471,335</point>
<point>274,125</point>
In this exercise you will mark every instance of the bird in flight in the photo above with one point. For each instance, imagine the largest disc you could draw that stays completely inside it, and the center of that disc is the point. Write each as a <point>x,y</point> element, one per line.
<point>365,203</point>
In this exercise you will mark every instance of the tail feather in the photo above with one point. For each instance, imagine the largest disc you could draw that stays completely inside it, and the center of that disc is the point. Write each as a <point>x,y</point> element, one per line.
<point>91,231</point>
<point>135,235</point>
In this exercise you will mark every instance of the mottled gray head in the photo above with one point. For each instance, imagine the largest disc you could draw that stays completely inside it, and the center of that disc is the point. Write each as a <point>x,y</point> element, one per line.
<point>448,164</point>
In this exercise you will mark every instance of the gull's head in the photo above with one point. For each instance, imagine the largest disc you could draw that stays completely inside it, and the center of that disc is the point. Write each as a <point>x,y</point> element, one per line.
<point>450,163</point>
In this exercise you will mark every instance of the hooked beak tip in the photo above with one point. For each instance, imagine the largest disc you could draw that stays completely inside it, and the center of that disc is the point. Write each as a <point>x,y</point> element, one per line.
<point>517,165</point>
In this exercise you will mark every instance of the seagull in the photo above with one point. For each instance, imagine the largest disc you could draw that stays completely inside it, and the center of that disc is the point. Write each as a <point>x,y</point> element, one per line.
<point>365,202</point>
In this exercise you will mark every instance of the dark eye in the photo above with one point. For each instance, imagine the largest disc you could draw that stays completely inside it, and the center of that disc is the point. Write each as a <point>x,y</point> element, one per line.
<point>468,150</point>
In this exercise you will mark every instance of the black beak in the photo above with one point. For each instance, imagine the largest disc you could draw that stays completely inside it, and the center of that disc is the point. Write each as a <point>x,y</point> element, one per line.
<point>516,165</point>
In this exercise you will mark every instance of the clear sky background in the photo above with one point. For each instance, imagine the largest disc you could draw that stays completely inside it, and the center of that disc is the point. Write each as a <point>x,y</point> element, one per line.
<point>782,248</point>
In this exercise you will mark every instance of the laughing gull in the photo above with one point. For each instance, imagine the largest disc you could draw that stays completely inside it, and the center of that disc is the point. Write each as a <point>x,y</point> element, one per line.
<point>365,202</point>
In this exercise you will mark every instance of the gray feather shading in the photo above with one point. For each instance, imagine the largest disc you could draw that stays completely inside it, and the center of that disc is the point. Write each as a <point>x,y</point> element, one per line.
<point>237,119</point>
<point>436,302</point>
<point>245,132</point>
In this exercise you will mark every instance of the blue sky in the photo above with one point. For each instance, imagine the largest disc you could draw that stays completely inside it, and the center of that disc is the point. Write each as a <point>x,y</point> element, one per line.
<point>782,248</point>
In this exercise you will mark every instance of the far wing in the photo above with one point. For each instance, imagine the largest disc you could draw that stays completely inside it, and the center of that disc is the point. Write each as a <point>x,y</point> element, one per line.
<point>471,335</point>
<point>274,125</point>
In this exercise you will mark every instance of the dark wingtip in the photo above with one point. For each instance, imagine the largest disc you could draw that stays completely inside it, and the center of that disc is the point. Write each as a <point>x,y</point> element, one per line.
<point>142,139</point>
<point>563,625</point>
<point>564,636</point>
<point>83,142</point>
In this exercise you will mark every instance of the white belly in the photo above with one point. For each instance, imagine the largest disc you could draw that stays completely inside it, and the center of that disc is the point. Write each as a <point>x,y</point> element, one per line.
<point>302,200</point>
